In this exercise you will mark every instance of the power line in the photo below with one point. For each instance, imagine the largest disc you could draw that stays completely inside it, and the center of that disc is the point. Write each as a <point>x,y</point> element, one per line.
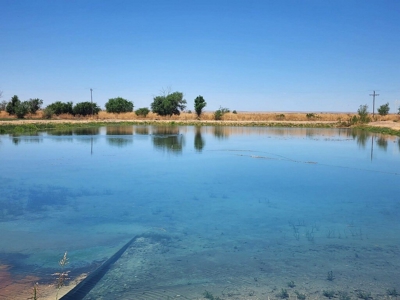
<point>373,103</point>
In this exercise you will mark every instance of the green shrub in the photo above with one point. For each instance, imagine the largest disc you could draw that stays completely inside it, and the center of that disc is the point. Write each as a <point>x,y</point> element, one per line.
<point>199,104</point>
<point>363,114</point>
<point>59,108</point>
<point>234,112</point>
<point>118,105</point>
<point>142,112</point>
<point>168,105</point>
<point>48,113</point>
<point>34,105</point>
<point>220,112</point>
<point>86,109</point>
<point>383,110</point>
<point>12,104</point>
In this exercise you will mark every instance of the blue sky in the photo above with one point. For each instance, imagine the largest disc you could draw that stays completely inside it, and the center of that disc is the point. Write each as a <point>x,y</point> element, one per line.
<point>248,55</point>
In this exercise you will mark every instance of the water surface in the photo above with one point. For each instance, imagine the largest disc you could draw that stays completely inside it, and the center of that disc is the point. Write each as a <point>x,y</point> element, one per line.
<point>237,212</point>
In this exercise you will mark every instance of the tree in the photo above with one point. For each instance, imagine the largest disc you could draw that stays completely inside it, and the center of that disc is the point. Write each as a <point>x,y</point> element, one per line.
<point>168,105</point>
<point>3,105</point>
<point>143,112</point>
<point>119,105</point>
<point>199,104</point>
<point>86,108</point>
<point>12,104</point>
<point>59,108</point>
<point>220,112</point>
<point>383,110</point>
<point>363,113</point>
<point>34,105</point>
<point>22,109</point>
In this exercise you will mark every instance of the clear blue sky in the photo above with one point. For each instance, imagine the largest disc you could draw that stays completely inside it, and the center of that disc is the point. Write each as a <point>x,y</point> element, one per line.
<point>248,55</point>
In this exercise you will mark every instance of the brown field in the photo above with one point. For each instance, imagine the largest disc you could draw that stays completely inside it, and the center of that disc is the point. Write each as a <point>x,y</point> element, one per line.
<point>389,121</point>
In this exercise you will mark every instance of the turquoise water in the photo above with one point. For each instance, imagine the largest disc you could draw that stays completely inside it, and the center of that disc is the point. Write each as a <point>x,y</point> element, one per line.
<point>239,213</point>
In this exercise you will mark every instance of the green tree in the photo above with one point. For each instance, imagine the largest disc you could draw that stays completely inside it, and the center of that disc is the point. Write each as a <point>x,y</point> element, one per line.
<point>12,104</point>
<point>22,109</point>
<point>363,114</point>
<point>199,104</point>
<point>383,110</point>
<point>142,112</point>
<point>59,108</point>
<point>118,105</point>
<point>34,105</point>
<point>399,111</point>
<point>220,112</point>
<point>168,105</point>
<point>86,109</point>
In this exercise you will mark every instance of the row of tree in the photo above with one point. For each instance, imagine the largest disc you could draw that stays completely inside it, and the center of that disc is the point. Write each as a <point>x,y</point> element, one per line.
<point>165,105</point>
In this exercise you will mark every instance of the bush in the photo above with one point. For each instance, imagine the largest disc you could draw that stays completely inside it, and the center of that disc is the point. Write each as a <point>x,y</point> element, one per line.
<point>220,112</point>
<point>363,114</point>
<point>34,105</point>
<point>86,109</point>
<point>142,112</point>
<point>383,110</point>
<point>59,108</point>
<point>3,105</point>
<point>22,109</point>
<point>48,113</point>
<point>234,112</point>
<point>168,105</point>
<point>11,106</point>
<point>118,105</point>
<point>199,104</point>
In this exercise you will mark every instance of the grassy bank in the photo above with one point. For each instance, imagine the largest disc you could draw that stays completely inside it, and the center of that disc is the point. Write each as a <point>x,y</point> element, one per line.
<point>35,123</point>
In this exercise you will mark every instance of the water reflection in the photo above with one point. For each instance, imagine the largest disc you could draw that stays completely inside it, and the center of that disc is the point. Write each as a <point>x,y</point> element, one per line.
<point>120,136</point>
<point>199,142</point>
<point>170,143</point>
<point>142,130</point>
<point>382,143</point>
<point>119,130</point>
<point>168,138</point>
<point>221,132</point>
<point>119,141</point>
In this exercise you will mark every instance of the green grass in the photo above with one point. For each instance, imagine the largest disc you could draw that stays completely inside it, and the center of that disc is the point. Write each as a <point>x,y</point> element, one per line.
<point>37,127</point>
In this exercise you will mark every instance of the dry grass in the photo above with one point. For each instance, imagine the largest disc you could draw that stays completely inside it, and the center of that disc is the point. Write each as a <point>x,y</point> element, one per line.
<point>209,116</point>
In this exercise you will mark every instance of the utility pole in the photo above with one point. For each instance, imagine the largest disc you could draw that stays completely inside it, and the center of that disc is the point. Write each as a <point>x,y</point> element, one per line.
<point>373,103</point>
<point>91,100</point>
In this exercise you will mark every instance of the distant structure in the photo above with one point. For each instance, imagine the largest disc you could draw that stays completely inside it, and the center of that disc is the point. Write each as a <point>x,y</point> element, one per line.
<point>373,103</point>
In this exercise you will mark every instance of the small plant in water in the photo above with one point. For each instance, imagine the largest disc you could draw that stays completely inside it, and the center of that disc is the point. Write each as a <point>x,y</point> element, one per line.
<point>344,296</point>
<point>392,293</point>
<point>210,296</point>
<point>291,284</point>
<point>328,294</point>
<point>62,276</point>
<point>330,276</point>
<point>364,295</point>
<point>300,296</point>
<point>283,294</point>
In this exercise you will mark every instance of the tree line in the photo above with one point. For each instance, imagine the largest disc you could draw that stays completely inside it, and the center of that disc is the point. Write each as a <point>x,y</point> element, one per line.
<point>167,104</point>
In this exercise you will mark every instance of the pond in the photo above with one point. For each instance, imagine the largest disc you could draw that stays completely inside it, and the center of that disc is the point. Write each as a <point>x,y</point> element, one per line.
<point>209,212</point>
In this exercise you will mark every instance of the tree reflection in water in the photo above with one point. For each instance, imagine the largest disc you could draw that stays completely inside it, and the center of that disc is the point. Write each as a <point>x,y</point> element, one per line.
<point>198,140</point>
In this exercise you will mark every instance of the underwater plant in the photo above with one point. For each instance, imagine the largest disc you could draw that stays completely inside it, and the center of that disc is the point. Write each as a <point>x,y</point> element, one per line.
<point>330,276</point>
<point>283,294</point>
<point>62,276</point>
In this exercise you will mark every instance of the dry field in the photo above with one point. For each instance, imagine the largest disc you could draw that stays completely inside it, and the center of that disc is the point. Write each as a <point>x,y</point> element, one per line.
<point>209,116</point>
<point>390,121</point>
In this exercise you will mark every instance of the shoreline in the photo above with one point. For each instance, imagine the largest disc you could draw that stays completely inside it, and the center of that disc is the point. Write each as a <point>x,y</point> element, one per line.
<point>32,125</point>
